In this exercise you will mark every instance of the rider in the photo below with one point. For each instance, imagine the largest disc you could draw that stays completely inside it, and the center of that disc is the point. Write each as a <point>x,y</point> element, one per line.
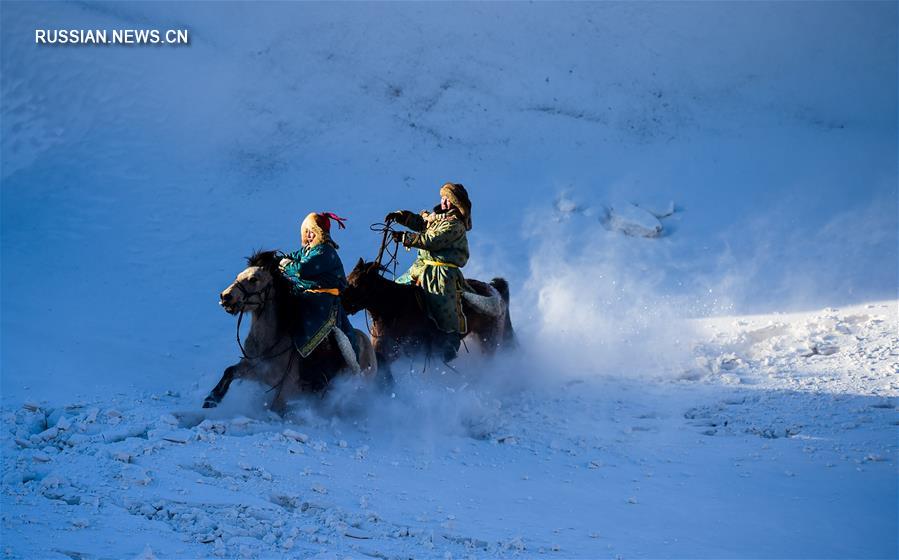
<point>442,252</point>
<point>317,275</point>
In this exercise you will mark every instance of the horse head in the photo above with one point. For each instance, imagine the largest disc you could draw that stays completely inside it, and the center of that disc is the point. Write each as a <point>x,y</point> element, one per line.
<point>361,283</point>
<point>254,286</point>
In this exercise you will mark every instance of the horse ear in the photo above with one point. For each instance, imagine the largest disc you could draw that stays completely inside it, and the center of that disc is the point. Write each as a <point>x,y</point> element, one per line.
<point>361,263</point>
<point>373,266</point>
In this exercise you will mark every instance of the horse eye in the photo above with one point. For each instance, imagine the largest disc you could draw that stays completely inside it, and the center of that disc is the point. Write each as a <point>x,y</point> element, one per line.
<point>252,280</point>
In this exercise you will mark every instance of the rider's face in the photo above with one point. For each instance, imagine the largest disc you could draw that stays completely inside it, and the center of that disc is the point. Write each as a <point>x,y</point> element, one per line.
<point>445,203</point>
<point>308,237</point>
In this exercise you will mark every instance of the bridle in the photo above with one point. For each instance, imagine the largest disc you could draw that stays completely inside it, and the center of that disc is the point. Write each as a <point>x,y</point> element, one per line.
<point>247,294</point>
<point>263,294</point>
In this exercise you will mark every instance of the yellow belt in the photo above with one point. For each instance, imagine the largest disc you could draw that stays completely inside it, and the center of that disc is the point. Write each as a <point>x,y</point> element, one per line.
<point>438,263</point>
<point>332,291</point>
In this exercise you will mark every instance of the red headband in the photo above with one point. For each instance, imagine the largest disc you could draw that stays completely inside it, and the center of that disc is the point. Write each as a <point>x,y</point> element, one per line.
<point>336,218</point>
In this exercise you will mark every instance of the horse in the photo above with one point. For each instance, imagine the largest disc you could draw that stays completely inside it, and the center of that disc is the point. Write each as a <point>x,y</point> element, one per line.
<point>269,354</point>
<point>401,325</point>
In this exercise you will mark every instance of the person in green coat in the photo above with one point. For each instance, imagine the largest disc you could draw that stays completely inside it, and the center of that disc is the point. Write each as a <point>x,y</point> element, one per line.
<point>440,237</point>
<point>317,277</point>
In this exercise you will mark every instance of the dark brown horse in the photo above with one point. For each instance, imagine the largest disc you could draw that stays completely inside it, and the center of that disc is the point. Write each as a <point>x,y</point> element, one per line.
<point>270,356</point>
<point>401,326</point>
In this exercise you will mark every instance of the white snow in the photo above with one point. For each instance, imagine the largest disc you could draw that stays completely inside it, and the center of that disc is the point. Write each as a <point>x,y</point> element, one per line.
<point>632,220</point>
<point>707,464</point>
<point>725,389</point>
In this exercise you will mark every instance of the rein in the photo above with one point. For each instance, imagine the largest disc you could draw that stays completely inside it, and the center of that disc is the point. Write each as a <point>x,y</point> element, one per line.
<point>384,227</point>
<point>280,385</point>
<point>265,292</point>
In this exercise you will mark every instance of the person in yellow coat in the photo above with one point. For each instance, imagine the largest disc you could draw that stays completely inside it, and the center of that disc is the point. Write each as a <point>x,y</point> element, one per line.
<point>440,237</point>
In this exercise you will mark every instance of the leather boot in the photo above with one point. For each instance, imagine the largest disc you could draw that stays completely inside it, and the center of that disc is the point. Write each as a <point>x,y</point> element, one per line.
<point>448,346</point>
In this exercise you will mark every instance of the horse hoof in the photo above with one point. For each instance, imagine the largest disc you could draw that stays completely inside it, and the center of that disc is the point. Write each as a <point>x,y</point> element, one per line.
<point>210,403</point>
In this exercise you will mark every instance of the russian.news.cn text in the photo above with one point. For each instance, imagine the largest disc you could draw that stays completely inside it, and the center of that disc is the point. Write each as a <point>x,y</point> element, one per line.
<point>111,37</point>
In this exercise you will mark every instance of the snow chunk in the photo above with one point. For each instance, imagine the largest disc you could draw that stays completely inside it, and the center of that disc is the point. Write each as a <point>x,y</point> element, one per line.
<point>123,456</point>
<point>123,433</point>
<point>147,554</point>
<point>211,426</point>
<point>297,436</point>
<point>631,220</point>
<point>31,406</point>
<point>11,478</point>
<point>40,457</point>
<point>515,544</point>
<point>178,436</point>
<point>49,433</point>
<point>659,213</point>
<point>168,420</point>
<point>566,207</point>
<point>287,501</point>
<point>241,422</point>
<point>64,423</point>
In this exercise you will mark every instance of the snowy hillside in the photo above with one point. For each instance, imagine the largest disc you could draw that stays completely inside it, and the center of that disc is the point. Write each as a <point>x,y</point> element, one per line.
<point>659,182</point>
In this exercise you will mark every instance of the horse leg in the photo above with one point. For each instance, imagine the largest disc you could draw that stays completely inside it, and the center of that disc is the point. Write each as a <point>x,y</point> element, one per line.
<point>368,362</point>
<point>507,340</point>
<point>218,392</point>
<point>384,373</point>
<point>386,351</point>
<point>288,386</point>
<point>279,402</point>
<point>489,337</point>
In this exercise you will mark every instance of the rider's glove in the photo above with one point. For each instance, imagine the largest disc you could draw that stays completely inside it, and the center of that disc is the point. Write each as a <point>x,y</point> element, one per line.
<point>400,216</point>
<point>397,236</point>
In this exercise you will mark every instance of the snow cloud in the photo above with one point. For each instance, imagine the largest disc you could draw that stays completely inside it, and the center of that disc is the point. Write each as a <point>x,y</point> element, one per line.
<point>594,305</point>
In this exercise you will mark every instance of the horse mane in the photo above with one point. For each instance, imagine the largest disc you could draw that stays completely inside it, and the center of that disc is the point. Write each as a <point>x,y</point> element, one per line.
<point>263,258</point>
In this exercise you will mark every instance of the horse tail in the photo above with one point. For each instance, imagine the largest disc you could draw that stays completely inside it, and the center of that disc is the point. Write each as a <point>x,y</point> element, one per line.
<point>502,286</point>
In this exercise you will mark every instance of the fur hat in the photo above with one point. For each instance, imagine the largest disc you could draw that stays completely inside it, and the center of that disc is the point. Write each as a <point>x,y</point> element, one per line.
<point>320,224</point>
<point>457,194</point>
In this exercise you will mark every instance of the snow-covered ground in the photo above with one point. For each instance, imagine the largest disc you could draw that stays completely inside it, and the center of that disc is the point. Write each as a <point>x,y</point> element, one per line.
<point>765,445</point>
<point>695,205</point>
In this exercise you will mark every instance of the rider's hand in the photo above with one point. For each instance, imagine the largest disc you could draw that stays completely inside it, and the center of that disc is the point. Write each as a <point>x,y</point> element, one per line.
<point>283,263</point>
<point>397,236</point>
<point>400,217</point>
